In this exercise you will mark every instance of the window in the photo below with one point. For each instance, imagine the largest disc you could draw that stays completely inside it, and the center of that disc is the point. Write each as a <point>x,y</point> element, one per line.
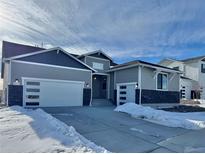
<point>98,66</point>
<point>32,103</point>
<point>176,68</point>
<point>33,83</point>
<point>123,87</point>
<point>122,98</point>
<point>123,92</point>
<point>32,90</point>
<point>162,81</point>
<point>32,96</point>
<point>202,68</point>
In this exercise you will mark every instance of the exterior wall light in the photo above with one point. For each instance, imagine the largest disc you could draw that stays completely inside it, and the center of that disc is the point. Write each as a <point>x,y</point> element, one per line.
<point>16,82</point>
<point>87,85</point>
<point>136,86</point>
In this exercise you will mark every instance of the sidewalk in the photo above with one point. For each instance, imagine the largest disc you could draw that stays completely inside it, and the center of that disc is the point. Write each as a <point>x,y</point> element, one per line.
<point>189,142</point>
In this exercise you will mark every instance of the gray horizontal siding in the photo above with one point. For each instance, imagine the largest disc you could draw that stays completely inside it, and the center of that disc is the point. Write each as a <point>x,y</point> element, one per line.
<point>54,58</point>
<point>147,80</point>
<point>19,70</point>
<point>126,75</point>
<point>173,84</point>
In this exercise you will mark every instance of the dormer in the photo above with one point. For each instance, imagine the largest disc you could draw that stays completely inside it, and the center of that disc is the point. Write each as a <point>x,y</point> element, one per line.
<point>98,60</point>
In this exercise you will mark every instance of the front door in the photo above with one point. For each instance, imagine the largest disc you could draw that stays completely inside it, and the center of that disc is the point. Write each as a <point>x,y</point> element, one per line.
<point>99,86</point>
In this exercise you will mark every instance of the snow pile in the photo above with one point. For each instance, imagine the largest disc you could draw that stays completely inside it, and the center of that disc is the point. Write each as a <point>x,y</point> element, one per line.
<point>194,120</point>
<point>202,103</point>
<point>23,130</point>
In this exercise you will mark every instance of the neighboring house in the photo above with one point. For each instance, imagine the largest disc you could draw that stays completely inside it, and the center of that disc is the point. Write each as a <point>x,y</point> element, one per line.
<point>36,77</point>
<point>192,82</point>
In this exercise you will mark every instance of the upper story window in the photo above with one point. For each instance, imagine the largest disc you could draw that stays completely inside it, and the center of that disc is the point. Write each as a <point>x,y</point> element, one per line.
<point>98,66</point>
<point>162,81</point>
<point>202,68</point>
<point>176,68</point>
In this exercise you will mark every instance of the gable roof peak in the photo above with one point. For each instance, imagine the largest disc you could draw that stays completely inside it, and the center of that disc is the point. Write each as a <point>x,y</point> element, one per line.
<point>96,51</point>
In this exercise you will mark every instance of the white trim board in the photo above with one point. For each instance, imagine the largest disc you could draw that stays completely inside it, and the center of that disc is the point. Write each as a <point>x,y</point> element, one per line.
<point>100,74</point>
<point>48,65</point>
<point>126,83</point>
<point>47,50</point>
<point>140,83</point>
<point>108,86</point>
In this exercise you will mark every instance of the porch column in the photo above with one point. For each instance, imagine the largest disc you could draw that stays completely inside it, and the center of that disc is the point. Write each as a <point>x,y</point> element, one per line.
<point>139,82</point>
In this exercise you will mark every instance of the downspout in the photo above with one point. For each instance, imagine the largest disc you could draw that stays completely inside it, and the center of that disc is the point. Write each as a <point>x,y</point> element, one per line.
<point>139,83</point>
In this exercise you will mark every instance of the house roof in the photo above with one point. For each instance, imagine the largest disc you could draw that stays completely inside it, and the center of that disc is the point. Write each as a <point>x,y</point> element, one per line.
<point>193,58</point>
<point>168,60</point>
<point>47,50</point>
<point>140,62</point>
<point>97,51</point>
<point>75,55</point>
<point>10,49</point>
<point>184,77</point>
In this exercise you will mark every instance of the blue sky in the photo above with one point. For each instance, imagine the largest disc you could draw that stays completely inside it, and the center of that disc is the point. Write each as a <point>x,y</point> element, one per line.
<point>126,30</point>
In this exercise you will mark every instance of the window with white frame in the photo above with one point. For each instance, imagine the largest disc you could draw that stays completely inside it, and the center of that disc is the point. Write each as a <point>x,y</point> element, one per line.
<point>162,81</point>
<point>98,66</point>
<point>203,68</point>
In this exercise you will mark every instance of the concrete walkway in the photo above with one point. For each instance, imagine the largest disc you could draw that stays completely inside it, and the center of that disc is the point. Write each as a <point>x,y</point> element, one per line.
<point>118,132</point>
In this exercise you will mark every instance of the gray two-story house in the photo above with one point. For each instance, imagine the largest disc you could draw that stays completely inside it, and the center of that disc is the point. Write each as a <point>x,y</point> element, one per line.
<point>192,81</point>
<point>37,77</point>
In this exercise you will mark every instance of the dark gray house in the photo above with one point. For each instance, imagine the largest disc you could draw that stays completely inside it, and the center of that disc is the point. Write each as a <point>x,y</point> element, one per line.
<point>37,77</point>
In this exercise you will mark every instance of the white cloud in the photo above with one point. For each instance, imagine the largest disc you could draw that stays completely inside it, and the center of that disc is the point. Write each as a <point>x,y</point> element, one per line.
<point>143,28</point>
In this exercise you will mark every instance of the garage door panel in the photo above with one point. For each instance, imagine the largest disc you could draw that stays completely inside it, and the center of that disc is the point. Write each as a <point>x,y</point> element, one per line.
<point>53,93</point>
<point>126,93</point>
<point>62,95</point>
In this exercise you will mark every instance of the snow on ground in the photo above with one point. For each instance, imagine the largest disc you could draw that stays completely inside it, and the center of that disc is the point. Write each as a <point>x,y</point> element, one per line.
<point>202,103</point>
<point>24,130</point>
<point>191,120</point>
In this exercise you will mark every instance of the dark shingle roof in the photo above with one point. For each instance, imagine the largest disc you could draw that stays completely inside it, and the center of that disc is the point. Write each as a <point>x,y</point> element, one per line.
<point>184,77</point>
<point>75,55</point>
<point>10,49</point>
<point>142,62</point>
<point>193,58</point>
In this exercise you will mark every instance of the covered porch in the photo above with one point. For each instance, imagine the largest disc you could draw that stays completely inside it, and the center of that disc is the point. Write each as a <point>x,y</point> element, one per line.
<point>100,89</point>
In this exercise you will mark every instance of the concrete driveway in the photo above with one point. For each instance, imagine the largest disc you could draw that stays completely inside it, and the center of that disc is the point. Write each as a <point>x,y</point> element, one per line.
<point>118,132</point>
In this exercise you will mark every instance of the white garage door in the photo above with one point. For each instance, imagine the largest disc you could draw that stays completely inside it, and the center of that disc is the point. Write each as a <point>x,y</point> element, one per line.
<point>51,93</point>
<point>125,93</point>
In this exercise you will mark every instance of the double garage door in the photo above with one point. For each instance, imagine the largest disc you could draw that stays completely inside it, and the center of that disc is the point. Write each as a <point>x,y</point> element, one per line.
<point>51,93</point>
<point>126,93</point>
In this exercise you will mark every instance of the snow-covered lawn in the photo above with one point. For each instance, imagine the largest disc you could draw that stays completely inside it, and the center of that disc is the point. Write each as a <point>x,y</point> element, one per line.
<point>202,103</point>
<point>23,130</point>
<point>192,120</point>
